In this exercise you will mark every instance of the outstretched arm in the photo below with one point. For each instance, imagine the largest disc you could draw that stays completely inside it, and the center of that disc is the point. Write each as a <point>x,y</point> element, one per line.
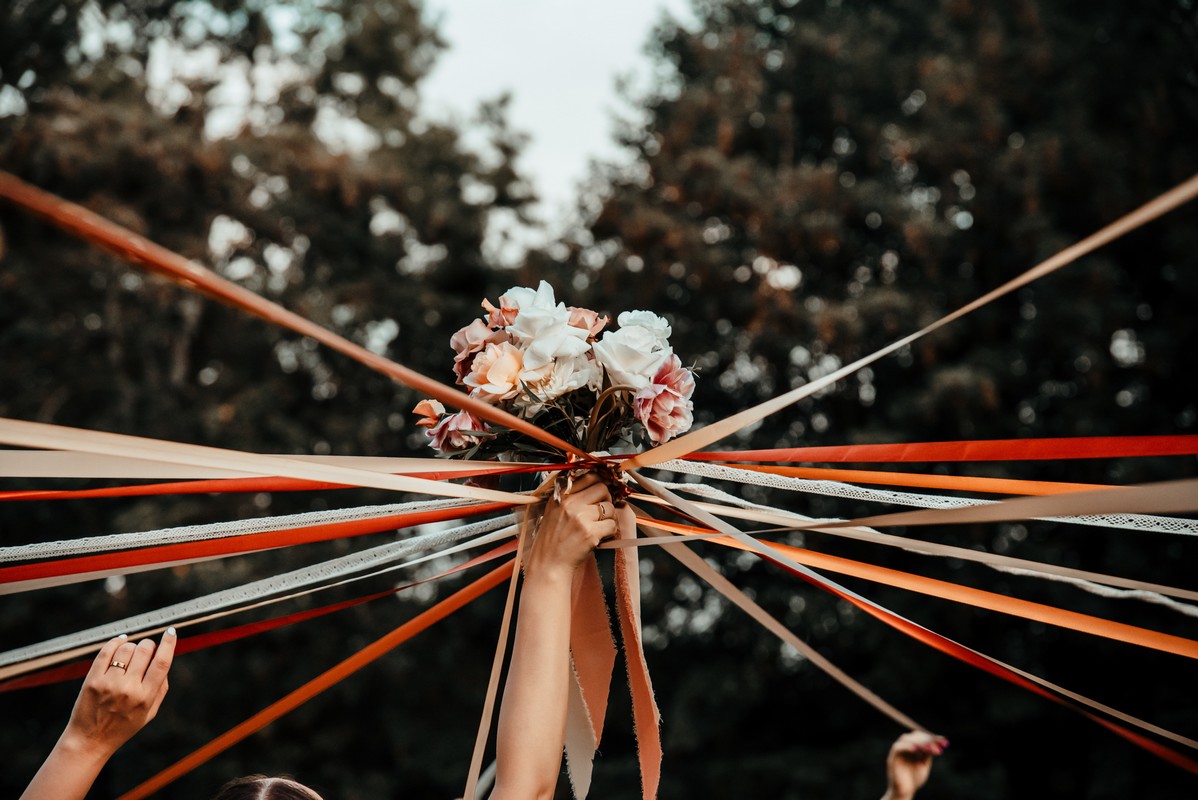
<point>532,719</point>
<point>910,763</point>
<point>120,694</point>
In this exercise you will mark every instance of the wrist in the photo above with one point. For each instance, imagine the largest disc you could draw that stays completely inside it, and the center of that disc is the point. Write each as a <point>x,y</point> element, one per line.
<point>548,574</point>
<point>84,748</point>
<point>891,794</point>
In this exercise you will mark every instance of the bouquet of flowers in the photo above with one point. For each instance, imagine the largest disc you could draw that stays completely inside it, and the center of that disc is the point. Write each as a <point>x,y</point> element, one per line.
<point>556,366</point>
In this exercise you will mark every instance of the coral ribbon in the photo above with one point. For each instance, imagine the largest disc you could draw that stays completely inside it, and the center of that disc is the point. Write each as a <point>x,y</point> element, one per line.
<point>645,715</point>
<point>1166,497</point>
<point>592,657</point>
<point>252,485</point>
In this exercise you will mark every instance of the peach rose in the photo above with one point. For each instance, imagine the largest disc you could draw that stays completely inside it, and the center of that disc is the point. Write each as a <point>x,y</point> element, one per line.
<point>430,412</point>
<point>587,320</point>
<point>495,373</point>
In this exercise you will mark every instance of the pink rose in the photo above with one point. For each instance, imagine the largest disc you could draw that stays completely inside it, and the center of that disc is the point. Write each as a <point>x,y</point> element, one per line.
<point>587,320</point>
<point>664,406</point>
<point>495,373</point>
<point>468,342</point>
<point>430,412</point>
<point>451,433</point>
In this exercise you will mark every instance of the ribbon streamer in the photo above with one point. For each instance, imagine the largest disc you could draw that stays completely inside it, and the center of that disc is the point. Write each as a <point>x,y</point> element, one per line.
<point>592,659</point>
<point>1079,447</point>
<point>690,442</point>
<point>57,437</point>
<point>143,253</point>
<point>970,656</point>
<point>191,644</point>
<point>646,717</point>
<point>765,514</point>
<point>742,601</point>
<point>349,666</point>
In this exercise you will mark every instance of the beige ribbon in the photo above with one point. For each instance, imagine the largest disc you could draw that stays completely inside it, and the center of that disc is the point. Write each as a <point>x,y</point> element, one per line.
<point>55,437</point>
<point>74,464</point>
<point>1166,497</point>
<point>738,598</point>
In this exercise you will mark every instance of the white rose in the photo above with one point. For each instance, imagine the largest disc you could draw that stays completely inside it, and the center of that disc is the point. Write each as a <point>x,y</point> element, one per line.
<point>546,334</point>
<point>632,355</point>
<point>565,376</point>
<point>650,321</point>
<point>522,298</point>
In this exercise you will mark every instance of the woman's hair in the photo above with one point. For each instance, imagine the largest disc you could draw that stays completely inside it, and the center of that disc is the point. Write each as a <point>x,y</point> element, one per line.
<point>260,787</point>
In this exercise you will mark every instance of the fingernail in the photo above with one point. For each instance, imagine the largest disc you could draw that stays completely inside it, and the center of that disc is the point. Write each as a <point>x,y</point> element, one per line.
<point>123,636</point>
<point>170,631</point>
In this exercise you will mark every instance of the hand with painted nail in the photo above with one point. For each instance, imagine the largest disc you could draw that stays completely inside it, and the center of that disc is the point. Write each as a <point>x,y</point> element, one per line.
<point>121,693</point>
<point>574,524</point>
<point>910,763</point>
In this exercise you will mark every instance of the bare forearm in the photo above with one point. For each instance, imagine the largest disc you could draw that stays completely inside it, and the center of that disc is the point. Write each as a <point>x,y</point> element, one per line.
<point>532,719</point>
<point>68,771</point>
<point>892,795</point>
<point>121,693</point>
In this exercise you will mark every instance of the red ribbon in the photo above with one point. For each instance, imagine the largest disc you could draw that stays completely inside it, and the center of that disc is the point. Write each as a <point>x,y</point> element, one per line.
<point>244,485</point>
<point>982,450</point>
<point>106,562</point>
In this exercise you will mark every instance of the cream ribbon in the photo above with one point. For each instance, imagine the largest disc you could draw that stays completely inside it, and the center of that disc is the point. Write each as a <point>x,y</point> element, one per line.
<point>55,437</point>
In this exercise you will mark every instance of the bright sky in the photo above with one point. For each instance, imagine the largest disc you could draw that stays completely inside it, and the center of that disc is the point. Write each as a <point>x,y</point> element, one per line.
<point>560,60</point>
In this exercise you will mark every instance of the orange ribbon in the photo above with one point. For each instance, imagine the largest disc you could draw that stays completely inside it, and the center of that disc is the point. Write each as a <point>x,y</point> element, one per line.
<point>966,595</point>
